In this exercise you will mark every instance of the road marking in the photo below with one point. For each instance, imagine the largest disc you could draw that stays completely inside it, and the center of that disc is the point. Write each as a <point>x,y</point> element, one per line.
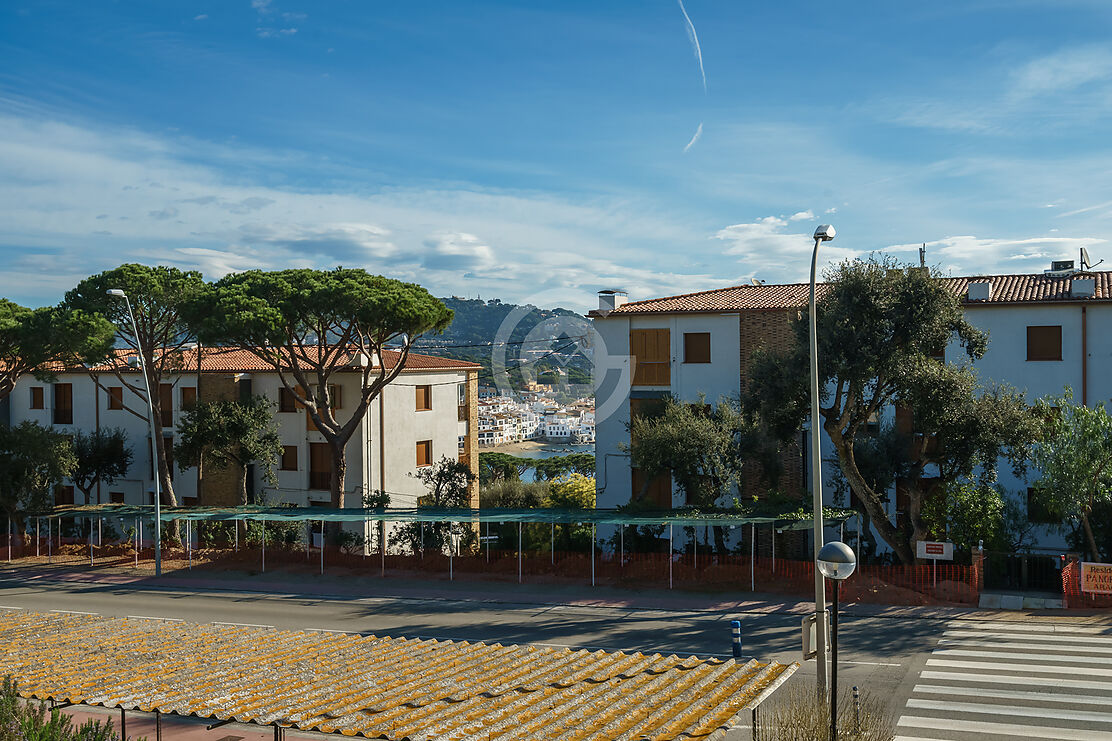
<point>934,689</point>
<point>1010,710</point>
<point>1105,649</point>
<point>1018,668</point>
<point>1026,627</point>
<point>866,663</point>
<point>5,607</point>
<point>1026,681</point>
<point>1005,729</point>
<point>333,630</point>
<point>1053,658</point>
<point>1038,636</point>
<point>75,612</point>
<point>148,617</point>
<point>242,625</point>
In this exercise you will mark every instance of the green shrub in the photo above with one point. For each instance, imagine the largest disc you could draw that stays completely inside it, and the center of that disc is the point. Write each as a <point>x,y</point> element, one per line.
<point>30,721</point>
<point>795,714</point>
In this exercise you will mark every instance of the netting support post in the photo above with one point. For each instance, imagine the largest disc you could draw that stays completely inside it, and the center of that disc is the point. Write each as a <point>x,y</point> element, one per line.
<point>136,542</point>
<point>695,547</point>
<point>38,536</point>
<point>592,554</point>
<point>235,525</point>
<point>189,542</point>
<point>382,545</point>
<point>753,558</point>
<point>49,541</point>
<point>552,538</point>
<point>451,555</point>
<point>669,555</point>
<point>322,547</point>
<point>519,553</point>
<point>264,543</point>
<point>10,541</point>
<point>774,549</point>
<point>621,547</point>
<point>100,532</point>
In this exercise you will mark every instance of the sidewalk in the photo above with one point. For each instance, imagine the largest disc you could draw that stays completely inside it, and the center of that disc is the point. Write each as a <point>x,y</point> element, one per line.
<point>409,587</point>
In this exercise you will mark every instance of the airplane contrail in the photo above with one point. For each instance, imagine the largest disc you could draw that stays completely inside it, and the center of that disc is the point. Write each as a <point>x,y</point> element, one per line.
<point>695,43</point>
<point>698,133</point>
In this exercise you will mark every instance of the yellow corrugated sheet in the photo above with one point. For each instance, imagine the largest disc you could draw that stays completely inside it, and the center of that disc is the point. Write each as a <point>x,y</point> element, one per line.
<point>377,687</point>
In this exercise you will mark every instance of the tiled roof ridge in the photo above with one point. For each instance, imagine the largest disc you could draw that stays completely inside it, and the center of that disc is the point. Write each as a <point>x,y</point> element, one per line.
<point>715,290</point>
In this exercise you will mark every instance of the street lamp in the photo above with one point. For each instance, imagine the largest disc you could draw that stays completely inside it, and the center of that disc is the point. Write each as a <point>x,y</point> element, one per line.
<point>824,233</point>
<point>836,562</point>
<point>118,293</point>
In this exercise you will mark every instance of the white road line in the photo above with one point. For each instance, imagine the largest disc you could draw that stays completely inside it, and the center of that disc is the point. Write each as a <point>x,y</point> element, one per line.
<point>1026,681</point>
<point>1013,711</point>
<point>331,630</point>
<point>1106,649</point>
<point>150,617</point>
<point>75,612</point>
<point>1103,640</point>
<point>1005,729</point>
<point>1051,658</point>
<point>5,607</point>
<point>242,625</point>
<point>916,738</point>
<point>1001,667</point>
<point>865,663</point>
<point>934,689</point>
<point>1026,627</point>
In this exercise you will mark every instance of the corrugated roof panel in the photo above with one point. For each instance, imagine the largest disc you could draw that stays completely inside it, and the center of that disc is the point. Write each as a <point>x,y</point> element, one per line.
<point>378,687</point>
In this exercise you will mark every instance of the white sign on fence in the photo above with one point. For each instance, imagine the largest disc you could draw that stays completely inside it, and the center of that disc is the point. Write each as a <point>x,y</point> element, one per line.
<point>1096,578</point>
<point>934,550</point>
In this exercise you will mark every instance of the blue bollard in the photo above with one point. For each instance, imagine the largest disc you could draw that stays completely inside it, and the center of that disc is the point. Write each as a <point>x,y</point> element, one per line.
<point>735,629</point>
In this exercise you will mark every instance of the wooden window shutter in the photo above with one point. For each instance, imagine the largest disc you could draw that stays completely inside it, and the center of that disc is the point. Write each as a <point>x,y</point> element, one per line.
<point>424,453</point>
<point>424,398</point>
<point>37,401</point>
<point>320,466</point>
<point>335,396</point>
<point>696,347</point>
<point>652,356</point>
<point>166,403</point>
<point>188,397</point>
<point>115,397</point>
<point>289,458</point>
<point>1044,343</point>
<point>286,401</point>
<point>659,493</point>
<point>63,403</point>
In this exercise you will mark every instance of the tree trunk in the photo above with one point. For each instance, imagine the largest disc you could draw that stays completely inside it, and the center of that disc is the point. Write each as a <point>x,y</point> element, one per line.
<point>720,540</point>
<point>915,514</point>
<point>243,486</point>
<point>1094,552</point>
<point>339,472</point>
<point>868,498</point>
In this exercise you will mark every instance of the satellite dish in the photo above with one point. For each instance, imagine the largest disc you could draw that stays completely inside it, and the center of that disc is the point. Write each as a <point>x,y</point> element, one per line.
<point>1086,261</point>
<point>756,282</point>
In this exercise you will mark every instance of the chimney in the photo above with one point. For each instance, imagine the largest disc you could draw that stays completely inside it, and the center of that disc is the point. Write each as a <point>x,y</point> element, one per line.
<point>1083,287</point>
<point>609,300</point>
<point>980,291</point>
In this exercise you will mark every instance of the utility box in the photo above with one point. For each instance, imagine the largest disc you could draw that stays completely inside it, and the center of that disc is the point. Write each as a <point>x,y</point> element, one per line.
<point>810,634</point>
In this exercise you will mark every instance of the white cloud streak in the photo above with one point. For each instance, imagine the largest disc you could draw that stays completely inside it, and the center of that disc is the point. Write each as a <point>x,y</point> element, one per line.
<point>694,43</point>
<point>695,138</point>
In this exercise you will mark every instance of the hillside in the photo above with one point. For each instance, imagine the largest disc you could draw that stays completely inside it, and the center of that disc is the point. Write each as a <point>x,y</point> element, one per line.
<point>544,339</point>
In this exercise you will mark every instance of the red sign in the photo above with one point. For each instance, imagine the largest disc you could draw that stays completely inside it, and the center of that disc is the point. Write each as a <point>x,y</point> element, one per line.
<point>934,549</point>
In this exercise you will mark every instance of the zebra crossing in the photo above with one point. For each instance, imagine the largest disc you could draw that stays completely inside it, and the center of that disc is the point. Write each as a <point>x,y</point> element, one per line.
<point>1008,680</point>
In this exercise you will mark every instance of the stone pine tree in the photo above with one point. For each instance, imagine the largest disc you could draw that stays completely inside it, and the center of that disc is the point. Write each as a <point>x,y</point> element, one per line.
<point>225,433</point>
<point>102,456</point>
<point>33,459</point>
<point>32,339</point>
<point>310,325</point>
<point>880,330</point>
<point>157,295</point>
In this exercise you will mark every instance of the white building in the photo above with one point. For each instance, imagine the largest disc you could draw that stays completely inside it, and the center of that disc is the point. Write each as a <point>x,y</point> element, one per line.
<point>424,415</point>
<point>1046,332</point>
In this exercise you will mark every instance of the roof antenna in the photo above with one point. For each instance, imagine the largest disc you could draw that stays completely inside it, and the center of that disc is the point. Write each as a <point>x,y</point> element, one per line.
<point>1085,263</point>
<point>923,255</point>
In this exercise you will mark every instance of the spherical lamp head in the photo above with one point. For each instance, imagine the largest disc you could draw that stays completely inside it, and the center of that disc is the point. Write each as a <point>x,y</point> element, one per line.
<point>836,560</point>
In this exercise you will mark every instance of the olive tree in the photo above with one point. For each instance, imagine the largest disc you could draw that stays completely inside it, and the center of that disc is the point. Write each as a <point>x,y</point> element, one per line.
<point>310,325</point>
<point>880,329</point>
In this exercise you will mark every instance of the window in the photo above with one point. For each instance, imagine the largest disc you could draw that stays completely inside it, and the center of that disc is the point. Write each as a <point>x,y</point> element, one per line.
<point>320,466</point>
<point>1044,343</point>
<point>63,494</point>
<point>424,398</point>
<point>116,497</point>
<point>659,493</point>
<point>335,401</point>
<point>37,397</point>
<point>63,403</point>
<point>166,404</point>
<point>188,397</point>
<point>651,351</point>
<point>289,458</point>
<point>286,401</point>
<point>696,347</point>
<point>1039,511</point>
<point>461,394</point>
<point>424,453</point>
<point>115,397</point>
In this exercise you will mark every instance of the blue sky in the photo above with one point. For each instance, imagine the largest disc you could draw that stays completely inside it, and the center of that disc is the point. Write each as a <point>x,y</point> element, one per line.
<point>540,151</point>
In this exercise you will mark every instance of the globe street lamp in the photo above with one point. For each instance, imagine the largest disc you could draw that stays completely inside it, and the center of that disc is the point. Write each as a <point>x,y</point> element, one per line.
<point>824,233</point>
<point>118,293</point>
<point>836,562</point>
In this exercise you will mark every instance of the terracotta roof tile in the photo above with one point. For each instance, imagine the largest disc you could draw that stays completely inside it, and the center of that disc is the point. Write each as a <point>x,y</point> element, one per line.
<point>228,360</point>
<point>1006,289</point>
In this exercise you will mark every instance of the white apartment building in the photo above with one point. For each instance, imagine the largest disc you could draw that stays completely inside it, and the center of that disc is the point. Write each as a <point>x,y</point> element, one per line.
<point>427,413</point>
<point>1046,332</point>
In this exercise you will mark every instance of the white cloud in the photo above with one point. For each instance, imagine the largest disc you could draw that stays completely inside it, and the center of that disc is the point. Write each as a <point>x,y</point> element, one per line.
<point>766,251</point>
<point>274,33</point>
<point>695,138</point>
<point>969,255</point>
<point>201,17</point>
<point>1062,71</point>
<point>802,215</point>
<point>263,6</point>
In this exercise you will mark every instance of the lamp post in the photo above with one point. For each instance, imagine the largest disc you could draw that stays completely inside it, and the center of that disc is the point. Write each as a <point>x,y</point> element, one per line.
<point>118,293</point>
<point>836,562</point>
<point>824,233</point>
